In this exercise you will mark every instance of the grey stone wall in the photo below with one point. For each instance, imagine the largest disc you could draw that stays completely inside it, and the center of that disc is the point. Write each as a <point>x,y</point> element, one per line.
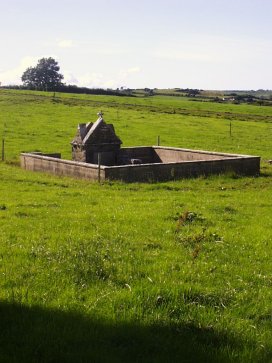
<point>171,154</point>
<point>56,166</point>
<point>187,169</point>
<point>145,153</point>
<point>152,168</point>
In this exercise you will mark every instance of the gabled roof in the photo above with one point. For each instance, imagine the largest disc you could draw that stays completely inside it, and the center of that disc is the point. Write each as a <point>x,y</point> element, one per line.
<point>82,131</point>
<point>97,133</point>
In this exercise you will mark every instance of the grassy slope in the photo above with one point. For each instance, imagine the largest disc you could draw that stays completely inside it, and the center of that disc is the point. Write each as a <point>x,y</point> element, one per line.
<point>106,272</point>
<point>48,124</point>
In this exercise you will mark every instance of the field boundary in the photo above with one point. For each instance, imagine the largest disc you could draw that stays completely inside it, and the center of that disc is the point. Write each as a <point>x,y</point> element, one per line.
<point>163,171</point>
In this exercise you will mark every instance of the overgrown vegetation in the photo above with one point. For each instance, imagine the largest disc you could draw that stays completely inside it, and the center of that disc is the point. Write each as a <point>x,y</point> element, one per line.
<point>164,272</point>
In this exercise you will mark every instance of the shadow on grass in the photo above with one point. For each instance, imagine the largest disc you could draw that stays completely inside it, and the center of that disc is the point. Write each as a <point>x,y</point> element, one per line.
<point>33,334</point>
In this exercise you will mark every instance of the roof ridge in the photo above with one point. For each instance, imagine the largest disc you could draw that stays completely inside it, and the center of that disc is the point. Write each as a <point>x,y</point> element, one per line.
<point>92,129</point>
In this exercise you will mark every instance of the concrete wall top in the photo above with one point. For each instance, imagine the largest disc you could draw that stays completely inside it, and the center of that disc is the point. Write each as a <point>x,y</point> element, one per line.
<point>63,161</point>
<point>204,152</point>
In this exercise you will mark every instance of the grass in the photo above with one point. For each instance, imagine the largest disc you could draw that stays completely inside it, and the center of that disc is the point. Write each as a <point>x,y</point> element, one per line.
<point>164,272</point>
<point>38,122</point>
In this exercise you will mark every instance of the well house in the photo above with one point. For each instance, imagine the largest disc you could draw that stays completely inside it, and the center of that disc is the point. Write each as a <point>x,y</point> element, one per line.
<point>97,155</point>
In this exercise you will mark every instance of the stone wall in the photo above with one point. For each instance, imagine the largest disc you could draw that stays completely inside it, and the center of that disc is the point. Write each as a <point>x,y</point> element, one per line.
<point>211,163</point>
<point>146,154</point>
<point>37,162</point>
<point>186,169</point>
<point>171,154</point>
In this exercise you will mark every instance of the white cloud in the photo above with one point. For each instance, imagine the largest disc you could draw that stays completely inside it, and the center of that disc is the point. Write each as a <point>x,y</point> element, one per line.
<point>92,80</point>
<point>125,73</point>
<point>13,76</point>
<point>191,49</point>
<point>99,80</point>
<point>184,56</point>
<point>65,43</point>
<point>212,49</point>
<point>69,78</point>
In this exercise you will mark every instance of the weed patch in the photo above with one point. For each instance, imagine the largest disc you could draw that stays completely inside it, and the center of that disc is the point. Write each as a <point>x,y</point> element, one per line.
<point>192,233</point>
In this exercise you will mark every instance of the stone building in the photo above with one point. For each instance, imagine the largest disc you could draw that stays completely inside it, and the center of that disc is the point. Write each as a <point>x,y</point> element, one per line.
<point>96,138</point>
<point>94,141</point>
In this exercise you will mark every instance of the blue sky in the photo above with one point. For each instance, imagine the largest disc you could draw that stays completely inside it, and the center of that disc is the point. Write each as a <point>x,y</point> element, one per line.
<point>208,44</point>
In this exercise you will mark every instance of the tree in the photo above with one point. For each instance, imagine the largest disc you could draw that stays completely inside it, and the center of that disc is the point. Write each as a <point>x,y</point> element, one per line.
<point>45,76</point>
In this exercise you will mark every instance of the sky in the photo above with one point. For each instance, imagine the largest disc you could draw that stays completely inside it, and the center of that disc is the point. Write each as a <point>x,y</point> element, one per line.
<point>204,44</point>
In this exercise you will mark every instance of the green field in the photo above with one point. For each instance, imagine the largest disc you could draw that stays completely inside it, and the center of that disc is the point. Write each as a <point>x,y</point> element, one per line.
<point>113,272</point>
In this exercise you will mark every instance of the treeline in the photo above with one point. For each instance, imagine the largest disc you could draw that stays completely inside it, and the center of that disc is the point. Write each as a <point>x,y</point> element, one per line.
<point>75,89</point>
<point>244,98</point>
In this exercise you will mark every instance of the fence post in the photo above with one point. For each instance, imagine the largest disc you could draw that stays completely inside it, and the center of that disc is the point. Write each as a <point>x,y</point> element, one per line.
<point>3,149</point>
<point>99,166</point>
<point>158,141</point>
